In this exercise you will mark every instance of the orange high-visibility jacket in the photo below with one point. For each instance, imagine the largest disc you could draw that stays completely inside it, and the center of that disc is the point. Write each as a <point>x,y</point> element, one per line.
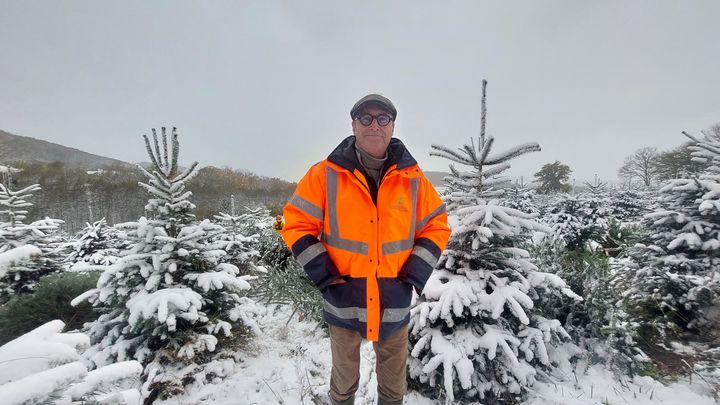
<point>382,249</point>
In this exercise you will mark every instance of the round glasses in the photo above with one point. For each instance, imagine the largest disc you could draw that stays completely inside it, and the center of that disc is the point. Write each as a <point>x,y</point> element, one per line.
<point>367,119</point>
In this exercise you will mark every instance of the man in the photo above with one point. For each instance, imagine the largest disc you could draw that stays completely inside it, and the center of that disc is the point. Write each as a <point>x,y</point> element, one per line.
<point>278,224</point>
<point>368,227</point>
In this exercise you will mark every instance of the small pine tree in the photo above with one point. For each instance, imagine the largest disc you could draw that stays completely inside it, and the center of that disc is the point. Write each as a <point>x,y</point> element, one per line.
<point>264,240</point>
<point>275,253</point>
<point>670,282</point>
<point>250,223</point>
<point>24,276</point>
<point>597,188</point>
<point>169,301</point>
<point>98,243</point>
<point>631,205</point>
<point>241,248</point>
<point>522,199</point>
<point>581,221</point>
<point>475,332</point>
<point>587,273</point>
<point>577,253</point>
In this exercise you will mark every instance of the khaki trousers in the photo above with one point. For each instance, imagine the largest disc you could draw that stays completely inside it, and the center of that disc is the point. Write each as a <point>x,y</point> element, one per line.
<point>391,364</point>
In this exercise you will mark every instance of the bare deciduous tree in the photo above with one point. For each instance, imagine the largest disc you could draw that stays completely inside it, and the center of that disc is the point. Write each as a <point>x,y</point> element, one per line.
<point>642,164</point>
<point>677,163</point>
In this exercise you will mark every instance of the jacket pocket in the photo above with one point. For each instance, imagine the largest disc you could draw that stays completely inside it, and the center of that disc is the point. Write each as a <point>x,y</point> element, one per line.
<point>345,303</point>
<point>394,293</point>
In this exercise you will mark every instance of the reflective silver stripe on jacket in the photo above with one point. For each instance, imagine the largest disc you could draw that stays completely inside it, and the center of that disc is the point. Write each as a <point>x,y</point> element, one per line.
<point>307,207</point>
<point>346,313</point>
<point>345,244</point>
<point>310,253</point>
<point>425,255</point>
<point>437,211</point>
<point>397,246</point>
<point>333,238</point>
<point>389,314</point>
<point>394,314</point>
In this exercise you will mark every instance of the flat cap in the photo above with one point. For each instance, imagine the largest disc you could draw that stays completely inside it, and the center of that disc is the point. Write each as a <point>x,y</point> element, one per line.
<point>376,99</point>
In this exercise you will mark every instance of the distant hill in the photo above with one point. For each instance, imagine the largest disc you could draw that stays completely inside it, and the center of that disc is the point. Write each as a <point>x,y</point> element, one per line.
<point>16,148</point>
<point>77,191</point>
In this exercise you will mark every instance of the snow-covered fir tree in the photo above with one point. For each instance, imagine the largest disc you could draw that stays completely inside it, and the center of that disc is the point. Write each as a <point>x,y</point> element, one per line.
<point>15,203</point>
<point>23,276</point>
<point>6,174</point>
<point>581,221</point>
<point>630,205</point>
<point>255,226</point>
<point>169,301</point>
<point>98,243</point>
<point>241,248</point>
<point>274,252</point>
<point>252,221</point>
<point>577,251</point>
<point>475,332</point>
<point>671,282</point>
<point>600,193</point>
<point>522,199</point>
<point>597,187</point>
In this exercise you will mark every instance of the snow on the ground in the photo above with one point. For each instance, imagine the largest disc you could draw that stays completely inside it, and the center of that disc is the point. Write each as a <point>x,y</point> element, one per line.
<point>289,364</point>
<point>598,385</point>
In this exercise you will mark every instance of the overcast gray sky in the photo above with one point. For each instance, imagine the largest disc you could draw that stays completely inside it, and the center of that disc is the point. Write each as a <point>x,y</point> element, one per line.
<point>267,85</point>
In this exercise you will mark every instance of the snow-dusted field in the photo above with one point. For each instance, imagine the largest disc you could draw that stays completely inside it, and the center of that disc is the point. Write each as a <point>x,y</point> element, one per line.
<point>596,385</point>
<point>290,364</point>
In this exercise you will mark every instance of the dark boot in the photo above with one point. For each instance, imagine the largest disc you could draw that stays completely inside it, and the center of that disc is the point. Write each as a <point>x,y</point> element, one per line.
<point>382,401</point>
<point>349,401</point>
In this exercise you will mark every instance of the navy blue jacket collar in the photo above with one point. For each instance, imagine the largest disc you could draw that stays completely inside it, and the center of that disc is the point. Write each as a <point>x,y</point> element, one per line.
<point>344,154</point>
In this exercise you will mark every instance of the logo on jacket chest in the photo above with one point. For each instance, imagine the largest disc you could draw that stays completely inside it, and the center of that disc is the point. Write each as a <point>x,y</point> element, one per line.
<point>399,205</point>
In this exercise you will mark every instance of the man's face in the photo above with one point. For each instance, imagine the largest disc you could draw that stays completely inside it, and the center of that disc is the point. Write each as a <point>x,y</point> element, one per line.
<point>373,138</point>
